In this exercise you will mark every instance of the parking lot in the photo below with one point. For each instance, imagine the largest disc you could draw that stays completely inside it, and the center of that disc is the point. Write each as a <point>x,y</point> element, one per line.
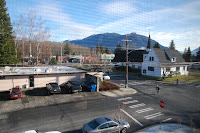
<point>39,97</point>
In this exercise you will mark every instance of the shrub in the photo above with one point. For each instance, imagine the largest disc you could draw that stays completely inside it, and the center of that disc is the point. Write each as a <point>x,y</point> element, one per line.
<point>53,61</point>
<point>107,85</point>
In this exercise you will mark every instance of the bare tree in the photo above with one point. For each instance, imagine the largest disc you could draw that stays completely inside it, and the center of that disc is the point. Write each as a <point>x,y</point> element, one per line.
<point>41,35</point>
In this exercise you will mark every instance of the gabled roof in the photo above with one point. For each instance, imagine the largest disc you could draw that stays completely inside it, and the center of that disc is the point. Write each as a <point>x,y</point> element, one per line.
<point>133,56</point>
<point>165,54</point>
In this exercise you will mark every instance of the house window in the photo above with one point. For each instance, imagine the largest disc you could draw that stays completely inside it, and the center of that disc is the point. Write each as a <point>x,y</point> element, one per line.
<point>149,58</point>
<point>168,69</point>
<point>144,71</point>
<point>174,59</point>
<point>151,68</point>
<point>152,58</point>
<point>184,68</point>
<point>177,68</point>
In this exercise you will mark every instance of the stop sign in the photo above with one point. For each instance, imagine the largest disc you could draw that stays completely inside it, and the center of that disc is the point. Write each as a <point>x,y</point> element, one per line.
<point>162,104</point>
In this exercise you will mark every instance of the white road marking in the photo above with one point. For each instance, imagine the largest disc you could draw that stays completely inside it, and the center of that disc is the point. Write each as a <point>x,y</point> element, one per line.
<point>126,98</point>
<point>128,102</point>
<point>166,119</point>
<point>144,110</point>
<point>133,118</point>
<point>137,105</point>
<point>153,115</point>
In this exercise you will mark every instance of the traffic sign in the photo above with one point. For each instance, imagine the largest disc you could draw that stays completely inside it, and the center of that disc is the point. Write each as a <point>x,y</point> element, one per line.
<point>162,104</point>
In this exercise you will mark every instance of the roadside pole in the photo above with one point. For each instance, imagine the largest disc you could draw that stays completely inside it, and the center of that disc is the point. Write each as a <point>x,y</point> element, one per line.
<point>126,82</point>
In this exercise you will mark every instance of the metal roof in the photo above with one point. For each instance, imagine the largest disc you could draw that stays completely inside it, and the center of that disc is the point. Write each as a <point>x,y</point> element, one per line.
<point>38,70</point>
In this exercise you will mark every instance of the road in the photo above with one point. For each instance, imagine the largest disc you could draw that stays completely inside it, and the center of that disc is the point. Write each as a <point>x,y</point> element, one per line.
<point>141,110</point>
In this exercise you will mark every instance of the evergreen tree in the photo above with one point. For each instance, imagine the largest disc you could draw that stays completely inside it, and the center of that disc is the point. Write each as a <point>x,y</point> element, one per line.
<point>7,48</point>
<point>118,48</point>
<point>189,55</point>
<point>157,45</point>
<point>185,53</point>
<point>198,55</point>
<point>107,51</point>
<point>67,49</point>
<point>97,49</point>
<point>92,51</point>
<point>172,45</point>
<point>102,49</point>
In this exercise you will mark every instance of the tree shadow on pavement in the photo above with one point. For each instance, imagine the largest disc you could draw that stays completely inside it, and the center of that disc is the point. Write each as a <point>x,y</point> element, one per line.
<point>37,92</point>
<point>74,131</point>
<point>4,96</point>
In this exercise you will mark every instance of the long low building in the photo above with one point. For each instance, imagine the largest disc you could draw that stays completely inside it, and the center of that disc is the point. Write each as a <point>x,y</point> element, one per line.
<point>26,77</point>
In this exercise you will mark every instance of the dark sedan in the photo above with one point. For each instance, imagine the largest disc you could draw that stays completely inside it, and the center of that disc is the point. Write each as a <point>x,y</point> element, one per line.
<point>53,88</point>
<point>72,86</point>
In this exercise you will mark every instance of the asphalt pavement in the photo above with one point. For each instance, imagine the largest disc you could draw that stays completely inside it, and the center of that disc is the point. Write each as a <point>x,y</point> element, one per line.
<point>141,109</point>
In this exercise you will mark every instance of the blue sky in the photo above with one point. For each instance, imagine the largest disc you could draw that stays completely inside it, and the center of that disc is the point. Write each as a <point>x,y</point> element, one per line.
<point>177,20</point>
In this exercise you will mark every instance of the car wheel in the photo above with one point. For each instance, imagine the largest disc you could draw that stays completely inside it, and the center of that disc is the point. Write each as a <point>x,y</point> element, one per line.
<point>123,130</point>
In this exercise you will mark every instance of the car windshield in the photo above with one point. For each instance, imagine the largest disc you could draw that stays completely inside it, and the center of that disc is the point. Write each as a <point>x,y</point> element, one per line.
<point>105,75</point>
<point>54,84</point>
<point>15,92</point>
<point>93,124</point>
<point>74,83</point>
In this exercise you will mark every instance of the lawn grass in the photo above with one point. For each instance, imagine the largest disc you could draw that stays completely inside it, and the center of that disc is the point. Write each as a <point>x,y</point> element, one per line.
<point>192,77</point>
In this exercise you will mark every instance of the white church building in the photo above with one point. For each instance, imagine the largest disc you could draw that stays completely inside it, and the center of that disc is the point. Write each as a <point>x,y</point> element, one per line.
<point>163,62</point>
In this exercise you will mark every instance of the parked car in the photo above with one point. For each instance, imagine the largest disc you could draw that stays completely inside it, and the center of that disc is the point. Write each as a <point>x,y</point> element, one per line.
<point>106,125</point>
<point>36,131</point>
<point>106,76</point>
<point>53,88</point>
<point>72,86</point>
<point>15,93</point>
<point>89,86</point>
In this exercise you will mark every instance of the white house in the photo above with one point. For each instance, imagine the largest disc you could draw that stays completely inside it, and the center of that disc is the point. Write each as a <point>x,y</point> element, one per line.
<point>159,63</point>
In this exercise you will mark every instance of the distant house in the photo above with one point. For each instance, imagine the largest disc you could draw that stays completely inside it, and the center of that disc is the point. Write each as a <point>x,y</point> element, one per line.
<point>163,62</point>
<point>107,57</point>
<point>135,58</point>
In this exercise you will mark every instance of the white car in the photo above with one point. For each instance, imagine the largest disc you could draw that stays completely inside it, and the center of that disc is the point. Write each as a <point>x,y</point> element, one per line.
<point>106,77</point>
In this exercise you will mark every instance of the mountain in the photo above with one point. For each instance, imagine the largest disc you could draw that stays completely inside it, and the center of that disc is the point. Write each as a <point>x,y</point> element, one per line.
<point>194,52</point>
<point>112,39</point>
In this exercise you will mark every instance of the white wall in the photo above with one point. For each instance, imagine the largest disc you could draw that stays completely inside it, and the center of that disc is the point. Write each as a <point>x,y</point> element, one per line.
<point>12,81</point>
<point>39,80</point>
<point>156,64</point>
<point>42,80</point>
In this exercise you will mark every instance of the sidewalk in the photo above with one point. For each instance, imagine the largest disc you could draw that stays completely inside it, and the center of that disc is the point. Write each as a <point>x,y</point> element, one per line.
<point>170,128</point>
<point>118,93</point>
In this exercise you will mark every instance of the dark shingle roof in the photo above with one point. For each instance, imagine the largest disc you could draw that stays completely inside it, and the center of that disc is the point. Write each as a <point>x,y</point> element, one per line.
<point>133,56</point>
<point>163,57</point>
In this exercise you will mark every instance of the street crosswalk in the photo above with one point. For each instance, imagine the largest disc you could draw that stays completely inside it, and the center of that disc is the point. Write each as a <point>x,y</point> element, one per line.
<point>140,108</point>
<point>144,110</point>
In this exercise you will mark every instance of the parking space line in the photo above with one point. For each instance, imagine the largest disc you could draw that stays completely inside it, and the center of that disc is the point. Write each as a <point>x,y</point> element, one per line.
<point>166,119</point>
<point>132,118</point>
<point>126,98</point>
<point>153,115</point>
<point>128,102</point>
<point>137,105</point>
<point>144,110</point>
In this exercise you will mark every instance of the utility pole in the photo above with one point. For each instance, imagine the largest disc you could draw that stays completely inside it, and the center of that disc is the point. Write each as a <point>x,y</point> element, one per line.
<point>126,82</point>
<point>61,54</point>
